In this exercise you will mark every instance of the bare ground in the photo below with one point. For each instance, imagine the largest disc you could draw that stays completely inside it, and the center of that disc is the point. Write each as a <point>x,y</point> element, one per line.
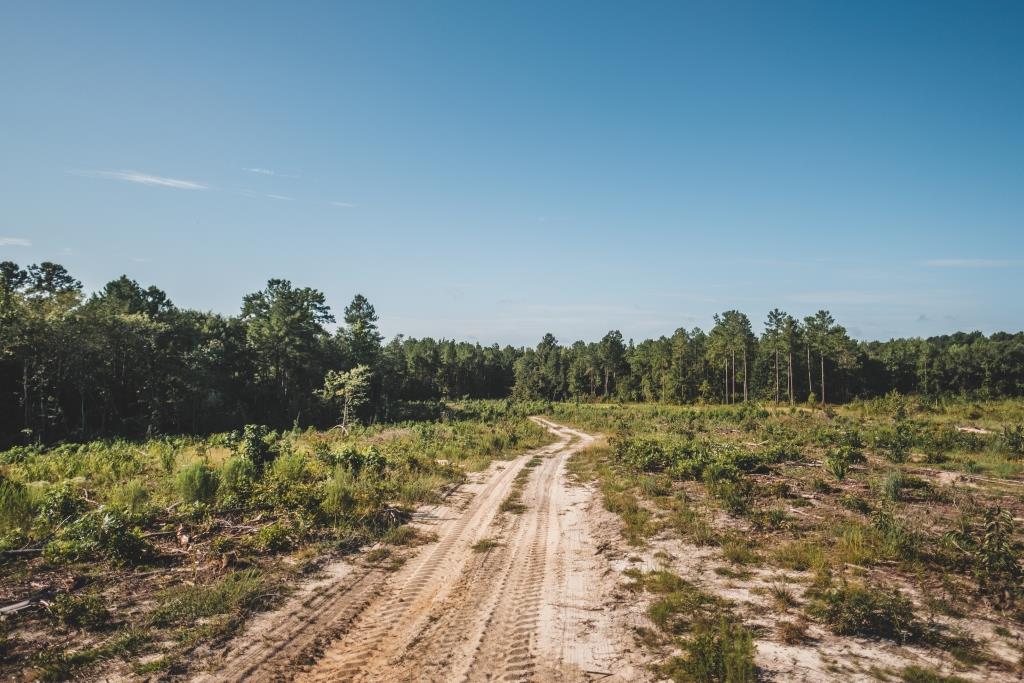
<point>540,603</point>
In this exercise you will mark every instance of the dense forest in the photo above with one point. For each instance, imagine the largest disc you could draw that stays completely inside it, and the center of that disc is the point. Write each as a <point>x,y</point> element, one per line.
<point>126,360</point>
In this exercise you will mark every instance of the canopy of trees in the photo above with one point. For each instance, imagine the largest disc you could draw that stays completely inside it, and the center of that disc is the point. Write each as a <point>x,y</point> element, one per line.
<point>125,360</point>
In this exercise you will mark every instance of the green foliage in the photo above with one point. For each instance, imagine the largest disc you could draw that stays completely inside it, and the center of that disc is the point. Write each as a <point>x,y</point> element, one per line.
<point>105,532</point>
<point>16,509</point>
<point>1013,440</point>
<point>132,496</point>
<point>836,464</point>
<point>60,503</point>
<point>252,443</point>
<point>237,476</point>
<point>895,442</point>
<point>717,653</point>
<point>918,674</point>
<point>184,605</point>
<point>87,611</point>
<point>987,548</point>
<point>854,609</point>
<point>197,483</point>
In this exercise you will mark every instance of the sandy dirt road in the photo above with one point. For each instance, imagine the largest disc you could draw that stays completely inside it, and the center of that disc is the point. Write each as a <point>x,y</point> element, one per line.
<point>537,606</point>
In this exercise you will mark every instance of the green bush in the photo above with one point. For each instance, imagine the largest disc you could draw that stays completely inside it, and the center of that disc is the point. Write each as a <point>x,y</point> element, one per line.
<point>252,443</point>
<point>236,478</point>
<point>133,496</point>
<point>720,652</point>
<point>60,503</point>
<point>197,483</point>
<point>1012,440</point>
<point>871,611</point>
<point>988,549</point>
<point>107,532</point>
<point>640,454</point>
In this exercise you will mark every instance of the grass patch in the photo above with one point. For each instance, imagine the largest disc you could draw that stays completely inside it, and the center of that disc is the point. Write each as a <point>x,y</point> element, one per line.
<point>484,544</point>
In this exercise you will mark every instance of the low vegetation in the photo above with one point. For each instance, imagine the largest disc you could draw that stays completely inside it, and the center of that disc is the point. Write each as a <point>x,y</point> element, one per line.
<point>893,520</point>
<point>136,552</point>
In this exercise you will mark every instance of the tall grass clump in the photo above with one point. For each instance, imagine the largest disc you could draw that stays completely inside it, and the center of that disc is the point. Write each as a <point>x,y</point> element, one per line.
<point>16,510</point>
<point>197,483</point>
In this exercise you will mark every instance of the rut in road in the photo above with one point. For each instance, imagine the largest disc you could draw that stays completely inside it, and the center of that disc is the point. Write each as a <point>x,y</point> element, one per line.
<point>530,608</point>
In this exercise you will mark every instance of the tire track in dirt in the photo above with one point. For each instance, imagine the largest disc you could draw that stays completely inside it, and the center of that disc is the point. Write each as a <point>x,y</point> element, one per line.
<point>531,608</point>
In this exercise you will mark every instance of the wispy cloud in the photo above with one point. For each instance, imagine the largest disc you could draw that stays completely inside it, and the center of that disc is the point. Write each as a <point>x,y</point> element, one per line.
<point>15,242</point>
<point>267,171</point>
<point>144,179</point>
<point>344,205</point>
<point>280,197</point>
<point>972,263</point>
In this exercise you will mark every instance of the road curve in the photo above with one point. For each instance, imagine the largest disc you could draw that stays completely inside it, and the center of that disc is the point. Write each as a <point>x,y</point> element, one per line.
<point>532,607</point>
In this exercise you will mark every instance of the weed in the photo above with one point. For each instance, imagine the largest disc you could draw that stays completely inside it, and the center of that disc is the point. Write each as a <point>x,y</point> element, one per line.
<point>80,611</point>
<point>918,674</point>
<point>859,610</point>
<point>185,605</point>
<point>721,652</point>
<point>484,544</point>
<point>197,483</point>
<point>791,632</point>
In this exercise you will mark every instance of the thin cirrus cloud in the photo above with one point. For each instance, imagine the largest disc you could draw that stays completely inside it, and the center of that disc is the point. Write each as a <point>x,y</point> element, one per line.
<point>281,197</point>
<point>972,263</point>
<point>15,242</point>
<point>267,171</point>
<point>144,179</point>
<point>344,205</point>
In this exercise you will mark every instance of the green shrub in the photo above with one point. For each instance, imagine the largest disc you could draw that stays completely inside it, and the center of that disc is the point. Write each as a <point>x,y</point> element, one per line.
<point>197,483</point>
<point>274,538</point>
<point>871,611</point>
<point>236,478</point>
<point>107,532</point>
<point>60,503</point>
<point>80,611</point>
<point>892,486</point>
<point>895,442</point>
<point>1012,440</point>
<point>252,443</point>
<point>720,652</point>
<point>133,496</point>
<point>640,454</point>
<point>987,548</point>
<point>836,464</point>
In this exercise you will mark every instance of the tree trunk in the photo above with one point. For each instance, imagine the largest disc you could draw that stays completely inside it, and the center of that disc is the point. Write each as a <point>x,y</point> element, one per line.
<point>776,377</point>
<point>744,375</point>
<point>725,384</point>
<point>732,384</point>
<point>24,390</point>
<point>823,379</point>
<point>789,378</point>
<point>810,384</point>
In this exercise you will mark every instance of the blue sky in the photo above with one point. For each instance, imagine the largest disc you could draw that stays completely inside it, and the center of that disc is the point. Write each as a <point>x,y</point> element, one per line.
<point>492,171</point>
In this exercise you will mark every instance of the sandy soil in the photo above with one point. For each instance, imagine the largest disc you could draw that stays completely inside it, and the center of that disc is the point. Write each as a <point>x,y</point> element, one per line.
<point>543,604</point>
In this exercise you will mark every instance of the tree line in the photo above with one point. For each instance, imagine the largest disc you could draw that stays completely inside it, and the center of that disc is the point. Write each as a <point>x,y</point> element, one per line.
<point>792,360</point>
<point>125,360</point>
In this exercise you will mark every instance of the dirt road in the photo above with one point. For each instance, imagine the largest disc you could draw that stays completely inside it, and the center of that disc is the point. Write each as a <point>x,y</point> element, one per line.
<point>536,606</point>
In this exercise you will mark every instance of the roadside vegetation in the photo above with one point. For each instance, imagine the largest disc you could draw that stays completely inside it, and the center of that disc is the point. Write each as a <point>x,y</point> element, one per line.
<point>894,523</point>
<point>130,554</point>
